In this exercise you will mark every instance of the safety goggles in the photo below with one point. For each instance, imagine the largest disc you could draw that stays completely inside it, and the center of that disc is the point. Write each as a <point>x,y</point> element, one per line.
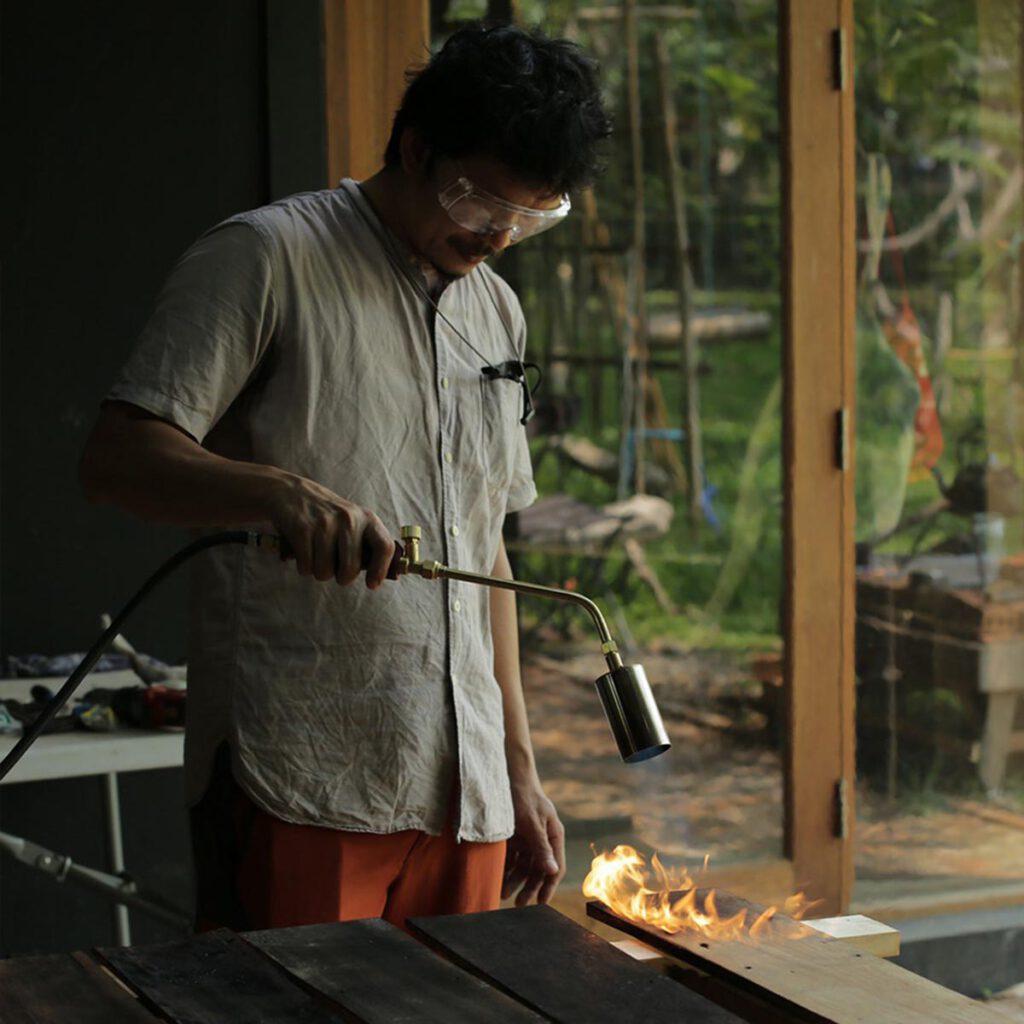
<point>483,214</point>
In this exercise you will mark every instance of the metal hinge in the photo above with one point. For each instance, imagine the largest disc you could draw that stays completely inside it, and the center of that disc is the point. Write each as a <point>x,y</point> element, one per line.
<point>839,59</point>
<point>842,439</point>
<point>841,825</point>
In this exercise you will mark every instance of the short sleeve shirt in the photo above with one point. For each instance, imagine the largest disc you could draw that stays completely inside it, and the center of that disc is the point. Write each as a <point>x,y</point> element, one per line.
<point>288,336</point>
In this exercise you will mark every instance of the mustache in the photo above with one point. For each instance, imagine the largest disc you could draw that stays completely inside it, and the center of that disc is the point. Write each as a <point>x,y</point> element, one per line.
<point>472,253</point>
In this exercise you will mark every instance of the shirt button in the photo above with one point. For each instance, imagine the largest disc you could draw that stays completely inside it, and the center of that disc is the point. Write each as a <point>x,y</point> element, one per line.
<point>457,605</point>
<point>444,382</point>
<point>447,456</point>
<point>455,531</point>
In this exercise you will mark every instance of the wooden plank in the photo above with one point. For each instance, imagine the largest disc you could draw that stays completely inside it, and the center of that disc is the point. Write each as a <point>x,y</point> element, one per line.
<point>562,970</point>
<point>818,349</point>
<point>814,978</point>
<point>861,932</point>
<point>64,989</point>
<point>854,929</point>
<point>215,978</point>
<point>384,976</point>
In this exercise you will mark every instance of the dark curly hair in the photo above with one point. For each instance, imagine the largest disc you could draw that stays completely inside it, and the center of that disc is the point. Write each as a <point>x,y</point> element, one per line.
<point>530,102</point>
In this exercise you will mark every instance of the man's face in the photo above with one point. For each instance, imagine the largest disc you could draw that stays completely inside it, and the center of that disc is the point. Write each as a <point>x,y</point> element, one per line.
<point>455,250</point>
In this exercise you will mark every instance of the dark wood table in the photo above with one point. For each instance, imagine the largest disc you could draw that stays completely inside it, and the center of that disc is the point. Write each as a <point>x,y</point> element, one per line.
<point>502,967</point>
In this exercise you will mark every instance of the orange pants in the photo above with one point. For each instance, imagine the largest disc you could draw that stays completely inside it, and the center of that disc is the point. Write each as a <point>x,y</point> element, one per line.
<point>268,873</point>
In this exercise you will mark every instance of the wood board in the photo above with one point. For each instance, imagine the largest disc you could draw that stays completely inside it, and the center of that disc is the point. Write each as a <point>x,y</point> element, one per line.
<point>812,978</point>
<point>215,978</point>
<point>384,976</point>
<point>563,971</point>
<point>64,987</point>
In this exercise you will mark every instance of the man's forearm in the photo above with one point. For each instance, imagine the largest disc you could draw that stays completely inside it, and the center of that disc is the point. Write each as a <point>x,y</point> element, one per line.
<point>505,634</point>
<point>149,468</point>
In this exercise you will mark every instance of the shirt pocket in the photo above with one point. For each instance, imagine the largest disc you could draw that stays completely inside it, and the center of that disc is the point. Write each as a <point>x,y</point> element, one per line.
<point>501,409</point>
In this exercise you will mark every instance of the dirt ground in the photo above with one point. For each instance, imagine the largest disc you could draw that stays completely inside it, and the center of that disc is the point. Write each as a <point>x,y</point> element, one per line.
<point>708,794</point>
<point>719,790</point>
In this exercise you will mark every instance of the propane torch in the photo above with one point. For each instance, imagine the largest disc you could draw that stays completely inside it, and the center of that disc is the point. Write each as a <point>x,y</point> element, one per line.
<point>624,690</point>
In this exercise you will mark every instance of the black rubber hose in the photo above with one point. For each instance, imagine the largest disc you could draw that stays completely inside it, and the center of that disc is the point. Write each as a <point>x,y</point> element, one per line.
<point>60,698</point>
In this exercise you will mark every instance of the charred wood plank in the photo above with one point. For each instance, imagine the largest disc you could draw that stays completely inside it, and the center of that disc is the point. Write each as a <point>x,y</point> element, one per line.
<point>809,977</point>
<point>384,976</point>
<point>563,971</point>
<point>63,989</point>
<point>215,978</point>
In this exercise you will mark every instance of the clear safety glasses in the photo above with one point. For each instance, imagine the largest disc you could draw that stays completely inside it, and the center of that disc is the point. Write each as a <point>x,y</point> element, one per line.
<point>483,214</point>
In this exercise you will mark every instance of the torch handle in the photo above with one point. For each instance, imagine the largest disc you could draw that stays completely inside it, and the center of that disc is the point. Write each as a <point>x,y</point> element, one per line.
<point>274,542</point>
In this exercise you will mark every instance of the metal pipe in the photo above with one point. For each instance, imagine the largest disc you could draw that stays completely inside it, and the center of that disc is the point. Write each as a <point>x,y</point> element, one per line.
<point>112,800</point>
<point>608,646</point>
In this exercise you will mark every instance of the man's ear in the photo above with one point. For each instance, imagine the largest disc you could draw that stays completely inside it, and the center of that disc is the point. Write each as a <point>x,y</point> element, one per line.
<point>415,154</point>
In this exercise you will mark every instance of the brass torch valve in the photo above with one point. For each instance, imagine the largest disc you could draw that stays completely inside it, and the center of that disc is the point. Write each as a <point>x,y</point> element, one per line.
<point>410,562</point>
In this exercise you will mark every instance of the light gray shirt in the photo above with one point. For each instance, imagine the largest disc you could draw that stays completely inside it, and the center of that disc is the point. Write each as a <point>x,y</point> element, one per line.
<point>286,336</point>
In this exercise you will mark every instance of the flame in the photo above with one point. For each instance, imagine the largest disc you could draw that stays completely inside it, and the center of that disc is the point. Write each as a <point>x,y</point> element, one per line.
<point>670,899</point>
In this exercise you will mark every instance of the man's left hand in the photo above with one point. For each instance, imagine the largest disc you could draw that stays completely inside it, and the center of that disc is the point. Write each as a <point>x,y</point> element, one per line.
<point>535,857</point>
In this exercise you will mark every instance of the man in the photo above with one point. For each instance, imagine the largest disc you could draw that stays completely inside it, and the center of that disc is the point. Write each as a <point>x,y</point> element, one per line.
<point>329,368</point>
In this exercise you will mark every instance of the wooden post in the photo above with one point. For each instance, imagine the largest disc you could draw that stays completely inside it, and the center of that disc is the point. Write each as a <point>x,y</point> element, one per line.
<point>689,349</point>
<point>818,355</point>
<point>639,353</point>
<point>368,46</point>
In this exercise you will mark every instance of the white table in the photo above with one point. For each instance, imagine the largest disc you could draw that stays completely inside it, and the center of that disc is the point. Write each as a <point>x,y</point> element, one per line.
<point>68,755</point>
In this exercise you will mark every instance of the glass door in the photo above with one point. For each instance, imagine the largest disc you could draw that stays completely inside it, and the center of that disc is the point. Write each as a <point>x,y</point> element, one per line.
<point>940,455</point>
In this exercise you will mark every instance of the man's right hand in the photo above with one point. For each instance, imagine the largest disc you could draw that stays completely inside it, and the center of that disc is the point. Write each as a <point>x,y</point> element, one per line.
<point>330,537</point>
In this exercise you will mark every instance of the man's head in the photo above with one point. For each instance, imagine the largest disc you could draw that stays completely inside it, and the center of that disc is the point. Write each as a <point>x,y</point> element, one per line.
<point>500,118</point>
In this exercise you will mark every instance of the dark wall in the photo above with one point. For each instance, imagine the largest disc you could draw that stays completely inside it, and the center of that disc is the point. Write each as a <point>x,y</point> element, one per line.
<point>139,125</point>
<point>130,128</point>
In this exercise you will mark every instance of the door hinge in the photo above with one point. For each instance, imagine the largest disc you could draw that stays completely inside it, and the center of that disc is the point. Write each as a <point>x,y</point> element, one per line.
<point>839,59</point>
<point>842,439</point>
<point>841,824</point>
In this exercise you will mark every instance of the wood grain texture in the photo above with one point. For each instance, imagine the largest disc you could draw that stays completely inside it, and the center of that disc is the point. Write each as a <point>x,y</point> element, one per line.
<point>368,46</point>
<point>63,988</point>
<point>384,976</point>
<point>563,971</point>
<point>818,350</point>
<point>216,978</point>
<point>813,979</point>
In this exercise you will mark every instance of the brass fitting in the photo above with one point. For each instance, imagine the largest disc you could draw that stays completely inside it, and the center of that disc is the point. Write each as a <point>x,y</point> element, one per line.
<point>411,541</point>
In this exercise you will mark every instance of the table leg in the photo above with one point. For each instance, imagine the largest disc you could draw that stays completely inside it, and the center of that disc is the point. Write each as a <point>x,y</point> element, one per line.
<point>995,740</point>
<point>115,845</point>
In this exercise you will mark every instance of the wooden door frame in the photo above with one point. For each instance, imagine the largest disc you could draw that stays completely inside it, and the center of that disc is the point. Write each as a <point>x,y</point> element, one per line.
<point>368,45</point>
<point>819,298</point>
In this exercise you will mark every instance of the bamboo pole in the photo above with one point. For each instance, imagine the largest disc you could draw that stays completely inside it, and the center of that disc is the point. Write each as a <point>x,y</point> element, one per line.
<point>689,349</point>
<point>638,356</point>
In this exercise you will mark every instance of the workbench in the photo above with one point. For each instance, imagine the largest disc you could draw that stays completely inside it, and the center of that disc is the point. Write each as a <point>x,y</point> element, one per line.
<point>932,625</point>
<point>67,755</point>
<point>512,966</point>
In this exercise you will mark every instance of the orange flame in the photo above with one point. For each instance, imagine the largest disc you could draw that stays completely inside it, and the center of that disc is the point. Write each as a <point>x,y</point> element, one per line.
<point>671,900</point>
